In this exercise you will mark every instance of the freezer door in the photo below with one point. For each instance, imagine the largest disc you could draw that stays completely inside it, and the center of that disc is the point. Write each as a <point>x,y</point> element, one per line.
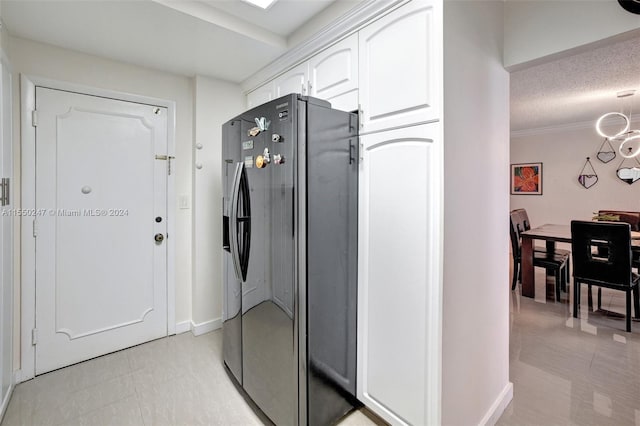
<point>268,347</point>
<point>232,286</point>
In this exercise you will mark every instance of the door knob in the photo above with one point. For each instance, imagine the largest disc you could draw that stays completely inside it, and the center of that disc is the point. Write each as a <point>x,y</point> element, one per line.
<point>159,238</point>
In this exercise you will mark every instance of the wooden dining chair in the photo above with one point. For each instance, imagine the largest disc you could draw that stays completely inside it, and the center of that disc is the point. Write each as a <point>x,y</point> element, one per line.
<point>612,270</point>
<point>552,262</point>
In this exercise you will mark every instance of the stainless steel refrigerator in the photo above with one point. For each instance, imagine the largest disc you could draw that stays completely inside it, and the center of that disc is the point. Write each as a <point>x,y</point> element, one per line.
<point>290,248</point>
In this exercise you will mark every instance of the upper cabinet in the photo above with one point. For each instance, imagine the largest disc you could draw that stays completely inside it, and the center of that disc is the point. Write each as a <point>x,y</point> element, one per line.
<point>399,68</point>
<point>333,74</point>
<point>261,95</point>
<point>292,81</point>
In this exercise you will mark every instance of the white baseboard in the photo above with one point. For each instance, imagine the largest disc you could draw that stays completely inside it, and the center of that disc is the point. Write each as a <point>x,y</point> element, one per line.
<point>5,401</point>
<point>183,327</point>
<point>497,408</point>
<point>19,378</point>
<point>205,327</point>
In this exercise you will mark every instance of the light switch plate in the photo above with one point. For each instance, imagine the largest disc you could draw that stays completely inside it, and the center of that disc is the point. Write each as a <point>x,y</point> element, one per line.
<point>183,202</point>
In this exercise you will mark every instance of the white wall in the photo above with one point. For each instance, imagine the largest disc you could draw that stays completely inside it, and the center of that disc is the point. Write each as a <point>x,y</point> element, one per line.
<point>563,153</point>
<point>215,102</point>
<point>475,335</point>
<point>534,28</point>
<point>43,60</point>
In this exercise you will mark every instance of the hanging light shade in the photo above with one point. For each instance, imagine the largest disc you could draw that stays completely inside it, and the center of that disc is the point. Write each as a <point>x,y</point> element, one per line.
<point>632,138</point>
<point>612,114</point>
<point>628,138</point>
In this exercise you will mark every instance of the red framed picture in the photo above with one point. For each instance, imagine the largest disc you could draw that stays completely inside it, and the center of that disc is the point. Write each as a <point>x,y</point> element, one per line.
<point>526,179</point>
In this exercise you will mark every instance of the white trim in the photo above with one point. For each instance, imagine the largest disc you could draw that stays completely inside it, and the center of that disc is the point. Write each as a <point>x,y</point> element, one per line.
<point>27,242</point>
<point>17,377</point>
<point>183,327</point>
<point>5,401</point>
<point>27,250</point>
<point>499,405</point>
<point>578,125</point>
<point>205,327</point>
<point>364,13</point>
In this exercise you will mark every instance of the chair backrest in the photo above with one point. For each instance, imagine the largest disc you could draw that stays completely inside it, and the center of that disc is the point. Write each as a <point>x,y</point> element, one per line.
<point>591,266</point>
<point>524,218</point>
<point>632,218</point>
<point>517,227</point>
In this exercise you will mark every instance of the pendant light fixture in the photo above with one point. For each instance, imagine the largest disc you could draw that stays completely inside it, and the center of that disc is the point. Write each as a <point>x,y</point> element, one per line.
<point>627,137</point>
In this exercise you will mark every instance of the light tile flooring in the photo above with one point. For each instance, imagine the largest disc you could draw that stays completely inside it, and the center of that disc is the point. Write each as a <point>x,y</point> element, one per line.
<point>568,371</point>
<point>565,372</point>
<point>178,380</point>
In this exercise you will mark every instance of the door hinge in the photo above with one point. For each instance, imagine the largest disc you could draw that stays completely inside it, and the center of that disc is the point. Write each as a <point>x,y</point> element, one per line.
<point>4,184</point>
<point>360,116</point>
<point>361,150</point>
<point>34,118</point>
<point>35,228</point>
<point>34,336</point>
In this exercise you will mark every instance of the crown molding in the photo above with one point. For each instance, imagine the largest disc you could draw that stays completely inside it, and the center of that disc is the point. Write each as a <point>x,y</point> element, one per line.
<point>342,27</point>
<point>579,125</point>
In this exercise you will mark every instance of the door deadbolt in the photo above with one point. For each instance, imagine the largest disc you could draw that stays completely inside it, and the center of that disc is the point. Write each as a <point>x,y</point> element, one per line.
<point>159,238</point>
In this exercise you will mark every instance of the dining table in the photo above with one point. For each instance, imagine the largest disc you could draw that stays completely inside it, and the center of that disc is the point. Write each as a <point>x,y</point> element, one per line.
<point>551,234</point>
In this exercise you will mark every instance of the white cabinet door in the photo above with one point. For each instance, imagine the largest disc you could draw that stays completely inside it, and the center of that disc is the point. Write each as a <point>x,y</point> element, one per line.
<point>333,74</point>
<point>260,95</point>
<point>399,266</point>
<point>400,67</point>
<point>292,81</point>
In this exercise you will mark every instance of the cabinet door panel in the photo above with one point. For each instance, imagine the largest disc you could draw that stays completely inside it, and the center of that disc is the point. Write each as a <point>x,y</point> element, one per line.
<point>292,81</point>
<point>399,67</point>
<point>260,96</point>
<point>334,74</point>
<point>399,273</point>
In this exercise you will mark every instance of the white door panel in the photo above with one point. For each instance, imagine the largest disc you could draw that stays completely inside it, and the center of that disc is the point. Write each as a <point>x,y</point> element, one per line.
<point>6,236</point>
<point>398,267</point>
<point>293,81</point>
<point>101,280</point>
<point>261,95</point>
<point>334,74</point>
<point>399,68</point>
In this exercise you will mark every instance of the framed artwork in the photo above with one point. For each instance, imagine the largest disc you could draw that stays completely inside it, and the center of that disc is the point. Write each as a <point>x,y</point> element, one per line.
<point>526,179</point>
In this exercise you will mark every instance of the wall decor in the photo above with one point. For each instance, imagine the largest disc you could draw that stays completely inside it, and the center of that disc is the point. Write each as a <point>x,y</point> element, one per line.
<point>526,179</point>
<point>587,178</point>
<point>606,154</point>
<point>628,174</point>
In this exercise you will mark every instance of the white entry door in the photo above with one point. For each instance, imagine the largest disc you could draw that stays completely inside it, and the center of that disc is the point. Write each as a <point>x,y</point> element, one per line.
<point>101,203</point>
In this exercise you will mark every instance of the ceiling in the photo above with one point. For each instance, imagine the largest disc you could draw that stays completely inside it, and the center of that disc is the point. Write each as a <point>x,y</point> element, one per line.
<point>231,40</point>
<point>577,88</point>
<point>226,39</point>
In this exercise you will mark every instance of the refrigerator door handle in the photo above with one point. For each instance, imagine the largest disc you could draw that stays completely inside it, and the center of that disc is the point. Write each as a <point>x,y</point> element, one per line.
<point>245,217</point>
<point>233,219</point>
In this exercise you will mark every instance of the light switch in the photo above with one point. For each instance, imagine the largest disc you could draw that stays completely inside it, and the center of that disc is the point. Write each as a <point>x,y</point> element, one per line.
<point>183,202</point>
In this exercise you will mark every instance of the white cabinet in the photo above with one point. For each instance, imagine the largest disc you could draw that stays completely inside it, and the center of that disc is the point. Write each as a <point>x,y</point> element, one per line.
<point>333,74</point>
<point>399,273</point>
<point>292,81</point>
<point>400,67</point>
<point>260,95</point>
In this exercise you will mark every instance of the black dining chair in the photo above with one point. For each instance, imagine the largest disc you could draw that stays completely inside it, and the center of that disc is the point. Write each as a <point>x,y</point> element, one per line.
<point>551,262</point>
<point>611,270</point>
<point>524,217</point>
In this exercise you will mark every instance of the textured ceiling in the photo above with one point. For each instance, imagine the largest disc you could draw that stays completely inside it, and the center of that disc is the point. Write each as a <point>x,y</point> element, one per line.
<point>577,88</point>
